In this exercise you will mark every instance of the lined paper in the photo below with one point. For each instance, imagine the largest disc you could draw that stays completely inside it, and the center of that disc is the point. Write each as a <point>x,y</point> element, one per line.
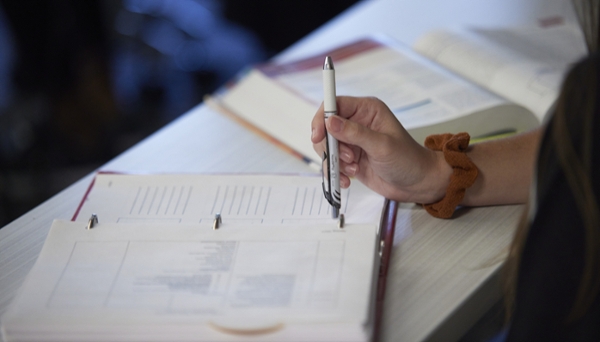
<point>247,199</point>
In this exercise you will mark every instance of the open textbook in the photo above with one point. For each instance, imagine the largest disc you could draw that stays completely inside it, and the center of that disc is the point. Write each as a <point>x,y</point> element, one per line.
<point>153,268</point>
<point>483,81</point>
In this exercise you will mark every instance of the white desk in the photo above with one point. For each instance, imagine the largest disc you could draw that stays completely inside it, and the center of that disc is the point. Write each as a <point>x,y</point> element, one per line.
<point>438,284</point>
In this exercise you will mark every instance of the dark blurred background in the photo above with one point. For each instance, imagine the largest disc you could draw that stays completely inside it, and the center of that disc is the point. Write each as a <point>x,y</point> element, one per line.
<point>82,81</point>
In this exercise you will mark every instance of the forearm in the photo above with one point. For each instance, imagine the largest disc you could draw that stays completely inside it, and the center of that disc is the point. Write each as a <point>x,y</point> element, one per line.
<point>506,169</point>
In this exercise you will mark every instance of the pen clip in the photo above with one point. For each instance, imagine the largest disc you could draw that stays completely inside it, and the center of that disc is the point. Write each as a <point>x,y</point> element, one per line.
<point>326,183</point>
<point>329,195</point>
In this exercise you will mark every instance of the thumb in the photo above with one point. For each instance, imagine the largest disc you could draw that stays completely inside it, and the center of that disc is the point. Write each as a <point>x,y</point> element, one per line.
<point>353,133</point>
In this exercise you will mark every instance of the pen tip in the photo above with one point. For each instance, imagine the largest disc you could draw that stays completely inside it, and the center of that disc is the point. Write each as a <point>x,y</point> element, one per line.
<point>335,212</point>
<point>328,65</point>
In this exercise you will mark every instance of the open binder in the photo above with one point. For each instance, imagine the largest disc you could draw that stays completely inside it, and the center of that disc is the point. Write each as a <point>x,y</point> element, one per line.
<point>156,280</point>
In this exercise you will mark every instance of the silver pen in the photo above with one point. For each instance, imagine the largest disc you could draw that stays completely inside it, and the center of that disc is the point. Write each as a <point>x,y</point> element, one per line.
<point>332,188</point>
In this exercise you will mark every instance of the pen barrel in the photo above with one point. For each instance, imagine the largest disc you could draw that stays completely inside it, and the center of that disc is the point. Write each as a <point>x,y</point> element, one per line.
<point>329,91</point>
<point>333,167</point>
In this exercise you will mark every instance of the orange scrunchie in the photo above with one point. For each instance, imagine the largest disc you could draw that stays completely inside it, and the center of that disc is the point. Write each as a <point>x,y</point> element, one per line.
<point>463,175</point>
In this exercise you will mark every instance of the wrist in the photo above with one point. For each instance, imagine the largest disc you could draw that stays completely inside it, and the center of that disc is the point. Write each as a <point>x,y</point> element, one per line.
<point>434,179</point>
<point>440,178</point>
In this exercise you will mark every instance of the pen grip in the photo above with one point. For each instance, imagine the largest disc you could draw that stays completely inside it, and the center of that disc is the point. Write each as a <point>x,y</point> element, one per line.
<point>333,167</point>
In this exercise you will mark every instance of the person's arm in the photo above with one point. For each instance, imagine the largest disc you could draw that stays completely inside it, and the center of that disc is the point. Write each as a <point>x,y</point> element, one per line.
<point>506,169</point>
<point>378,151</point>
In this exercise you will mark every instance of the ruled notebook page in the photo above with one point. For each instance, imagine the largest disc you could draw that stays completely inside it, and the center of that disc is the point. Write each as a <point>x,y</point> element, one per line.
<point>246,199</point>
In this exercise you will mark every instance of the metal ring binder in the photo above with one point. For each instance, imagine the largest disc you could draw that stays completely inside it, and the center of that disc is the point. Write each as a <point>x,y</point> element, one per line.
<point>217,222</point>
<point>92,222</point>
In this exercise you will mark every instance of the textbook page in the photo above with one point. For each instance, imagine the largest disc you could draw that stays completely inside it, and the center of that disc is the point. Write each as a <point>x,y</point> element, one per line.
<point>525,65</point>
<point>179,282</point>
<point>239,199</point>
<point>282,99</point>
<point>417,91</point>
<point>265,106</point>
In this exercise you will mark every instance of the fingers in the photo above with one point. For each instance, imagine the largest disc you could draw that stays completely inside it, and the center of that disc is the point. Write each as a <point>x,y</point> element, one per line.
<point>318,126</point>
<point>348,166</point>
<point>344,181</point>
<point>362,124</point>
<point>318,132</point>
<point>360,121</point>
<point>353,133</point>
<point>349,169</point>
<point>349,106</point>
<point>346,153</point>
<point>360,109</point>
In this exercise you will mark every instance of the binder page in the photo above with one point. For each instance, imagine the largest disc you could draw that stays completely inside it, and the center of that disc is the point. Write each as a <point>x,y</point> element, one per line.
<point>239,199</point>
<point>525,65</point>
<point>151,281</point>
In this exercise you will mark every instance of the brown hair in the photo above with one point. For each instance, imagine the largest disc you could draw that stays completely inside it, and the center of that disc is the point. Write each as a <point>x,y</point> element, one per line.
<point>588,14</point>
<point>568,147</point>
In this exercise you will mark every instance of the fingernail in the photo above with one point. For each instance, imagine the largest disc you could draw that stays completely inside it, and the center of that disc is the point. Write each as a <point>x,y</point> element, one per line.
<point>312,134</point>
<point>350,170</point>
<point>335,123</point>
<point>346,156</point>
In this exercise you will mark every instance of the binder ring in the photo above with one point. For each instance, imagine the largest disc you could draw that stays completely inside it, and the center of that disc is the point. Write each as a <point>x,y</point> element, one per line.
<point>92,222</point>
<point>217,222</point>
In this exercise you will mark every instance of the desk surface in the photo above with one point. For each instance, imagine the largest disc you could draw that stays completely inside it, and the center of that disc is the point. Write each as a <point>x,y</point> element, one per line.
<point>443,273</point>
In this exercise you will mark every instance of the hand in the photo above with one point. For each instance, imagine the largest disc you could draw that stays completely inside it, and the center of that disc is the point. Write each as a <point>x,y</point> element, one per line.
<point>377,150</point>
